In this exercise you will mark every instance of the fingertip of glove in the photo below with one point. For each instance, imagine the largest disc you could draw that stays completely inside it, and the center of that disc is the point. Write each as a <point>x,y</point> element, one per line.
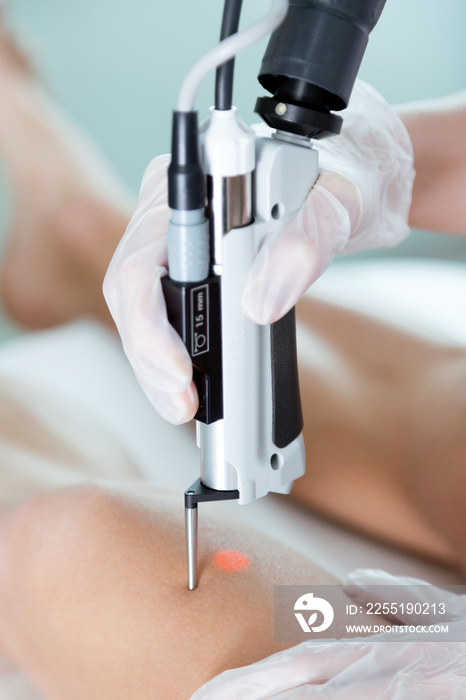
<point>263,314</point>
<point>254,311</point>
<point>279,280</point>
<point>367,577</point>
<point>346,194</point>
<point>259,304</point>
<point>178,408</point>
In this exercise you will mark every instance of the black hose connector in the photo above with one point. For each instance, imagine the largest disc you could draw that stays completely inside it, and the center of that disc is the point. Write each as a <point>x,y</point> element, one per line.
<point>186,179</point>
<point>311,63</point>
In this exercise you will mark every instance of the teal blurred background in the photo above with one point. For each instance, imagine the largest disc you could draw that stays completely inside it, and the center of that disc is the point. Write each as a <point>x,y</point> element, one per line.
<point>116,67</point>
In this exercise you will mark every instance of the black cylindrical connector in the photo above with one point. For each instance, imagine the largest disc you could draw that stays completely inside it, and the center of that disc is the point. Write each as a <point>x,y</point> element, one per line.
<point>317,51</point>
<point>186,180</point>
<point>311,63</point>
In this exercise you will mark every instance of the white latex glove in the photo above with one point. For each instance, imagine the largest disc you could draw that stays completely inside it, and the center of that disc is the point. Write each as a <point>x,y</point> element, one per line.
<point>360,670</point>
<point>134,296</point>
<point>361,200</point>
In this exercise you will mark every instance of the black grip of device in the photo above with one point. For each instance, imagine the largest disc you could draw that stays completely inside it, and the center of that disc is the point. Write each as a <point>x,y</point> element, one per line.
<point>287,421</point>
<point>193,309</point>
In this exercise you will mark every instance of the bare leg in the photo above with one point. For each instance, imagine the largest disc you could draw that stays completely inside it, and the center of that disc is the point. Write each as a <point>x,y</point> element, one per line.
<point>94,603</point>
<point>438,196</point>
<point>384,431</point>
<point>69,210</point>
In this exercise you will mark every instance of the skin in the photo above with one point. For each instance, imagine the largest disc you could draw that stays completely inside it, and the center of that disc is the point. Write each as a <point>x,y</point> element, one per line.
<point>97,568</point>
<point>94,603</point>
<point>69,210</point>
<point>384,437</point>
<point>437,129</point>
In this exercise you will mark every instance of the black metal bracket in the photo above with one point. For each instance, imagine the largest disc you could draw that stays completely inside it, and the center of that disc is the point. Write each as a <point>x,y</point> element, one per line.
<point>296,119</point>
<point>199,493</point>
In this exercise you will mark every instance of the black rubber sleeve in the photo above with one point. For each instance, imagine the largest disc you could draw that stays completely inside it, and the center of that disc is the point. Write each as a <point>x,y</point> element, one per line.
<point>286,400</point>
<point>186,180</point>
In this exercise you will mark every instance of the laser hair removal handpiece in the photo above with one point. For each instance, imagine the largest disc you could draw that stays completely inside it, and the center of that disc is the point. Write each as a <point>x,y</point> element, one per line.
<point>228,189</point>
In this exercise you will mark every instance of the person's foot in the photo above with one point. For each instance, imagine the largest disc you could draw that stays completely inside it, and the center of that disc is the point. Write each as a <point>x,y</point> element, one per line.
<point>69,211</point>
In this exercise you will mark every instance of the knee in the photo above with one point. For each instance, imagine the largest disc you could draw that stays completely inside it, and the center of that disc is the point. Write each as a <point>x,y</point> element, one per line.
<point>53,540</point>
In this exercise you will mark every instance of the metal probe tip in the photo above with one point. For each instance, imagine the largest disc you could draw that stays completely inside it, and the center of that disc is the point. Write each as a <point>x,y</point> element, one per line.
<point>191,545</point>
<point>198,493</point>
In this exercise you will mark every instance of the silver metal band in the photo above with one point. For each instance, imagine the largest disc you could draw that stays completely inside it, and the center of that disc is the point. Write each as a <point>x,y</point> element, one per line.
<point>229,206</point>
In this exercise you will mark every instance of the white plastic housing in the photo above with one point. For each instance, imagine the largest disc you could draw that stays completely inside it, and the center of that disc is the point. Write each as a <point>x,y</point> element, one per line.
<point>238,452</point>
<point>227,144</point>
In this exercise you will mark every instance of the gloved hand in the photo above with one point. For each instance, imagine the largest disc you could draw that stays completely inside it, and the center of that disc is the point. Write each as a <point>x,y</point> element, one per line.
<point>361,200</point>
<point>134,296</point>
<point>361,670</point>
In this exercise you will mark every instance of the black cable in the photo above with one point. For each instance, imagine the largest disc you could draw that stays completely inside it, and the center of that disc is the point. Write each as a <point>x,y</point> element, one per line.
<point>224,74</point>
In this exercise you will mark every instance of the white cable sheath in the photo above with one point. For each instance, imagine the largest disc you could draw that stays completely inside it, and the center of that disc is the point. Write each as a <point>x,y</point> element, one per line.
<point>227,49</point>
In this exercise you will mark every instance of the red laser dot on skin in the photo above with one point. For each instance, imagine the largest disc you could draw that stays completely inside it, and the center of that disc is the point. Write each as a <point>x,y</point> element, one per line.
<point>229,560</point>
